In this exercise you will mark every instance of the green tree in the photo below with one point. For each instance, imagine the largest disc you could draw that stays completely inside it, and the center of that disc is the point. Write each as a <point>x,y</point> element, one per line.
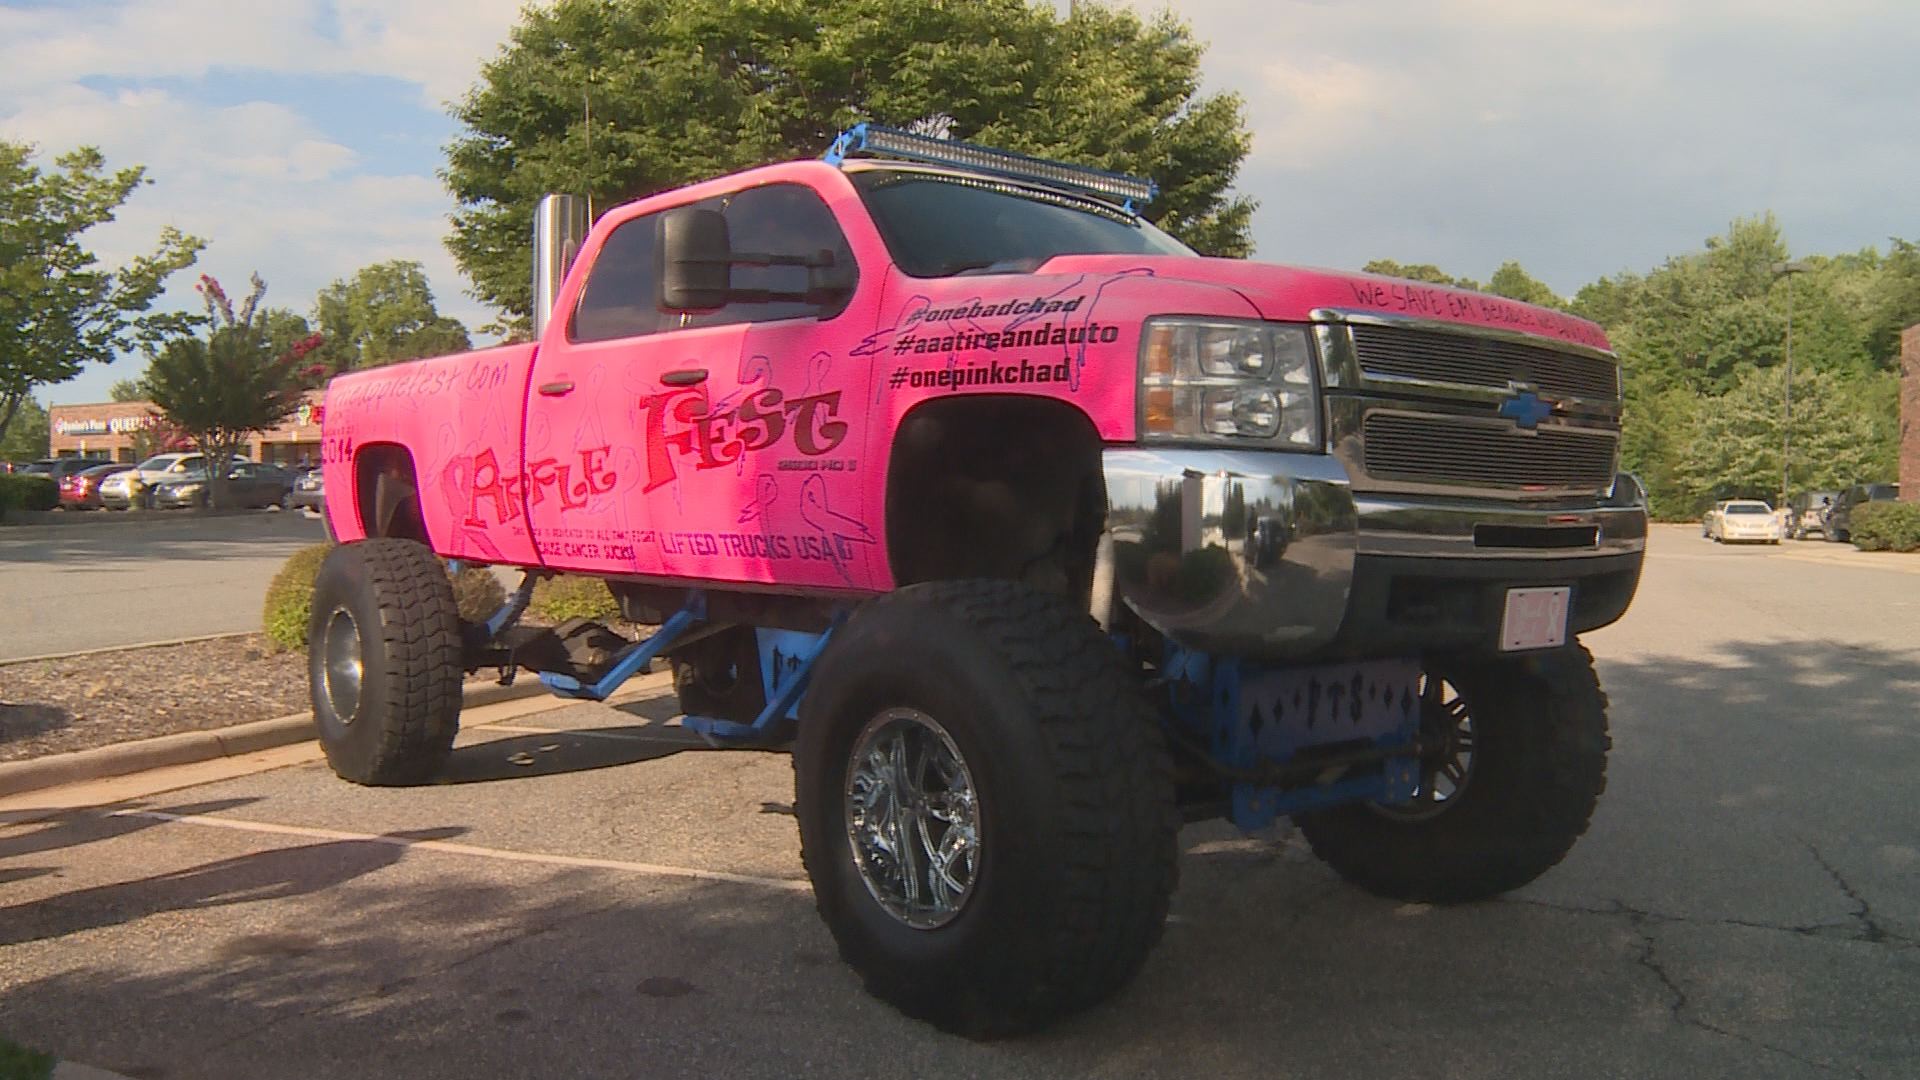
<point>618,99</point>
<point>1734,447</point>
<point>28,438</point>
<point>384,314</point>
<point>1893,304</point>
<point>1426,272</point>
<point>59,308</point>
<point>234,382</point>
<point>1513,282</point>
<point>128,389</point>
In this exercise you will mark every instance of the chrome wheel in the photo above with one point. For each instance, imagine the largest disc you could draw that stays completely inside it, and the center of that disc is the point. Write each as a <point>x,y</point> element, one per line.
<point>341,671</point>
<point>1446,728</point>
<point>913,821</point>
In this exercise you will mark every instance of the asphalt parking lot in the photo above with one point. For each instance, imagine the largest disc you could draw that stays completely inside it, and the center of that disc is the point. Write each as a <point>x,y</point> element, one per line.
<point>592,895</point>
<point>98,580</point>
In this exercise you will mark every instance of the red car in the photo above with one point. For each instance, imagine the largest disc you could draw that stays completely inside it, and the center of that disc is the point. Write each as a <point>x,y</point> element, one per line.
<point>81,491</point>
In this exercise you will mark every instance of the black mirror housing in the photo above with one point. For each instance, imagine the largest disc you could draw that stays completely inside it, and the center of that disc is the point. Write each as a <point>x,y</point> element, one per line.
<point>696,259</point>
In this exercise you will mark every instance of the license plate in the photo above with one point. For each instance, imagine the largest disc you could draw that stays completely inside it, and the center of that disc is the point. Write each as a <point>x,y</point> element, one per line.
<point>1535,618</point>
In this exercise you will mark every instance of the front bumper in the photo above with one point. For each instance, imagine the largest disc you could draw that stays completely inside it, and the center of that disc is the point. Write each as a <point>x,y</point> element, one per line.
<point>1275,555</point>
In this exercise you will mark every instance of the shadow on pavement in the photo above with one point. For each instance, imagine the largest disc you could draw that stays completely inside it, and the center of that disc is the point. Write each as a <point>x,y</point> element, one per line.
<point>244,879</point>
<point>1271,966</point>
<point>72,828</point>
<point>525,756</point>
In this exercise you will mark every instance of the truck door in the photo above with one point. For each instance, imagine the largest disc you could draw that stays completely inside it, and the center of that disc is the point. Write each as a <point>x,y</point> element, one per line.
<point>718,445</point>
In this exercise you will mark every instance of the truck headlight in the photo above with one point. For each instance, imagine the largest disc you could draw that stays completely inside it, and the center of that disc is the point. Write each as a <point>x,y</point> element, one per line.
<point>1228,381</point>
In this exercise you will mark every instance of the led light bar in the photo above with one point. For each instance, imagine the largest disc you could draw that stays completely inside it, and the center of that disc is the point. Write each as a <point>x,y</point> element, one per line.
<point>876,140</point>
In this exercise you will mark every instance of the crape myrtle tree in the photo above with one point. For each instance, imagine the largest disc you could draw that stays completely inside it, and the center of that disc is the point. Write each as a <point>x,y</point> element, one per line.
<point>60,309</point>
<point>230,384</point>
<point>618,99</point>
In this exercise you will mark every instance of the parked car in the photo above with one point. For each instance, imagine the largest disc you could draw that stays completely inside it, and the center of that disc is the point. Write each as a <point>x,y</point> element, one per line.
<point>81,491</point>
<point>1807,513</point>
<point>249,485</point>
<point>1840,517</point>
<point>62,467</point>
<point>151,472</point>
<point>1743,521</point>
<point>310,492</point>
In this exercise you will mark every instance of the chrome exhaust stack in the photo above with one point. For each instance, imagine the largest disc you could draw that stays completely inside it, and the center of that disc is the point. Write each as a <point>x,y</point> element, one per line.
<point>559,228</point>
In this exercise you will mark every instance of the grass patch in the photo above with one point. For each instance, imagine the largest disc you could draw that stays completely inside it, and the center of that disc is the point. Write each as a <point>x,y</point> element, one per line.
<point>19,1063</point>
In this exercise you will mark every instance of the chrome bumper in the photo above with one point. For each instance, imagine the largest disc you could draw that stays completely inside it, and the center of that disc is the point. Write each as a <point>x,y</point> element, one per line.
<point>1270,554</point>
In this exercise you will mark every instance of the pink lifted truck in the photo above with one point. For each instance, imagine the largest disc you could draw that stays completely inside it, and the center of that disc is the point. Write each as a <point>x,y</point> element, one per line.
<point>1031,533</point>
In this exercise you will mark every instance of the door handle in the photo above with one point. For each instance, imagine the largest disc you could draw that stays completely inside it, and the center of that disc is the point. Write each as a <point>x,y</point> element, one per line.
<point>685,377</point>
<point>556,389</point>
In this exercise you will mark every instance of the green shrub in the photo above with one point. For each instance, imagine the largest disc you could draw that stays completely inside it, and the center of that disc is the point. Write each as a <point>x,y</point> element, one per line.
<point>476,592</point>
<point>557,599</point>
<point>290,599</point>
<point>19,491</point>
<point>1886,526</point>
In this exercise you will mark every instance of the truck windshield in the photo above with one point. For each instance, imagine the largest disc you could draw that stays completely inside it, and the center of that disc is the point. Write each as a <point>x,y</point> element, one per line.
<point>939,224</point>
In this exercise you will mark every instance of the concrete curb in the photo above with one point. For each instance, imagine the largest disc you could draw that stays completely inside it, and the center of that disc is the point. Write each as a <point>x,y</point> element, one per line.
<point>4,661</point>
<point>189,747</point>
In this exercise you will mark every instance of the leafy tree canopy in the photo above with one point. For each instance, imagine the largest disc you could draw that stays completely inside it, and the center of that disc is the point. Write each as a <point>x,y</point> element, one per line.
<point>383,314</point>
<point>59,308</point>
<point>1702,341</point>
<point>1426,272</point>
<point>679,90</point>
<point>29,436</point>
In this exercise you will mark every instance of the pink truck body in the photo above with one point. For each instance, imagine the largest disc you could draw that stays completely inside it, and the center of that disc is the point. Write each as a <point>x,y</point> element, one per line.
<point>773,468</point>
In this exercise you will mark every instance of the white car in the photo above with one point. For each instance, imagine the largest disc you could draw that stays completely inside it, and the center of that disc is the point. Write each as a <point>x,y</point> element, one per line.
<point>113,491</point>
<point>1744,521</point>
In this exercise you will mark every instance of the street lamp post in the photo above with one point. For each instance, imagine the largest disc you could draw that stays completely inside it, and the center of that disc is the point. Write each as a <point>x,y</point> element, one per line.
<point>1786,409</point>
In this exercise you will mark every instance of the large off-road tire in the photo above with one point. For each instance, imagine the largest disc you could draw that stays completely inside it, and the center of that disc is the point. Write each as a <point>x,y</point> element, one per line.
<point>1534,734</point>
<point>719,677</point>
<point>383,662</point>
<point>1028,758</point>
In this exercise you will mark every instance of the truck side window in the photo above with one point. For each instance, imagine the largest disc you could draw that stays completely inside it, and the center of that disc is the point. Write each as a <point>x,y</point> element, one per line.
<point>618,300</point>
<point>778,219</point>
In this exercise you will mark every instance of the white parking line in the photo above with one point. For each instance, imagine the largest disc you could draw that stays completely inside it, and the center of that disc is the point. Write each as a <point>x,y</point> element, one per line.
<point>447,848</point>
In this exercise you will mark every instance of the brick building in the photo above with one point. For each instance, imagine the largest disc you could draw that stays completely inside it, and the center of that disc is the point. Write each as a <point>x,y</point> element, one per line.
<point>1910,413</point>
<point>109,429</point>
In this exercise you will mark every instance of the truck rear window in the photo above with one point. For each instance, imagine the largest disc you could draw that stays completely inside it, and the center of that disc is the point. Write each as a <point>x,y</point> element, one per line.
<point>938,225</point>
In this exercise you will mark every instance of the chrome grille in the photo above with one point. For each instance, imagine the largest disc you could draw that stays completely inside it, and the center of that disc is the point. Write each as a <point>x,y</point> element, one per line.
<point>1429,356</point>
<point>1467,452</point>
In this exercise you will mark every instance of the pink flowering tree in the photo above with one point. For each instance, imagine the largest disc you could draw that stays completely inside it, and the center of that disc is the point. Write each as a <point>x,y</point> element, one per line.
<point>232,383</point>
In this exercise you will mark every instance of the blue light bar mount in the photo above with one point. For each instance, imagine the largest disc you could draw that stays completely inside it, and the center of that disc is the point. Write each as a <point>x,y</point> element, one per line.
<point>878,140</point>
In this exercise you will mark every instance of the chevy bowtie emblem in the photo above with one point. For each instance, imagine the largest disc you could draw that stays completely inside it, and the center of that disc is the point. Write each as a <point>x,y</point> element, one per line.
<point>1526,409</point>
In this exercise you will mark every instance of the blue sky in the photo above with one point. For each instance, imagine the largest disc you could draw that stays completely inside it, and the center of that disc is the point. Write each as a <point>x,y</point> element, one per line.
<point>1582,139</point>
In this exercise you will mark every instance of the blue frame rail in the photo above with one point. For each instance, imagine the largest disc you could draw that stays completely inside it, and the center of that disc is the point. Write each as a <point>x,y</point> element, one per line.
<point>634,659</point>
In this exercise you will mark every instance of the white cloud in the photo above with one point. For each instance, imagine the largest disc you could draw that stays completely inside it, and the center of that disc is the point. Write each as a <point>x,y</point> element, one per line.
<point>436,44</point>
<point>1581,139</point>
<point>273,190</point>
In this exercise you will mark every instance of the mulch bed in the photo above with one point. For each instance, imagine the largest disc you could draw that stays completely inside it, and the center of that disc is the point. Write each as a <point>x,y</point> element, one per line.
<point>55,706</point>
